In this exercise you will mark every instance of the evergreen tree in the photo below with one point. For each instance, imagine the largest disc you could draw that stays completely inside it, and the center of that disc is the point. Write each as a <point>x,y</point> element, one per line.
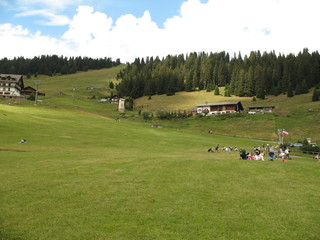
<point>261,94</point>
<point>216,91</point>
<point>215,73</point>
<point>260,82</point>
<point>170,88</point>
<point>254,75</point>
<point>196,74</point>
<point>276,73</point>
<point>290,91</point>
<point>239,91</point>
<point>315,95</point>
<point>189,81</point>
<point>207,72</point>
<point>249,83</point>
<point>304,87</point>
<point>227,91</point>
<point>209,87</point>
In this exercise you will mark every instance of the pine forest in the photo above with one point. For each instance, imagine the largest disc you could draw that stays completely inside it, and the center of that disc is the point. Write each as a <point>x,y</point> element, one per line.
<point>254,75</point>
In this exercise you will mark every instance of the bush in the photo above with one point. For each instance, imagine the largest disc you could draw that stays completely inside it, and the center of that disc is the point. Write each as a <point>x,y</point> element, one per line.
<point>170,115</point>
<point>216,91</point>
<point>145,115</point>
<point>32,97</point>
<point>316,95</point>
<point>310,148</point>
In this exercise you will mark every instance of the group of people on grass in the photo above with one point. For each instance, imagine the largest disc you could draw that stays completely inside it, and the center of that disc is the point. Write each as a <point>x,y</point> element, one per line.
<point>217,147</point>
<point>258,154</point>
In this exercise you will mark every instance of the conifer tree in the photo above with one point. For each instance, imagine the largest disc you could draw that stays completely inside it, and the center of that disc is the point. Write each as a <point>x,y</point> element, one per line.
<point>316,95</point>
<point>189,78</point>
<point>226,91</point>
<point>290,91</point>
<point>216,91</point>
<point>239,91</point>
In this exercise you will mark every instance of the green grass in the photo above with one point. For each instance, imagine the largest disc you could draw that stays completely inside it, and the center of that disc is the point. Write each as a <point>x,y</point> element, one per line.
<point>298,115</point>
<point>83,175</point>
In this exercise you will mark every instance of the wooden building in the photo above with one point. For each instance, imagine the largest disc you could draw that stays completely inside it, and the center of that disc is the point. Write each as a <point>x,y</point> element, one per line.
<point>219,107</point>
<point>115,100</point>
<point>11,85</point>
<point>260,109</point>
<point>30,90</point>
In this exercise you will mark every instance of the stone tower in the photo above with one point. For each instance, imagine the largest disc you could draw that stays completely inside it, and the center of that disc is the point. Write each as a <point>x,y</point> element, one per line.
<point>121,106</point>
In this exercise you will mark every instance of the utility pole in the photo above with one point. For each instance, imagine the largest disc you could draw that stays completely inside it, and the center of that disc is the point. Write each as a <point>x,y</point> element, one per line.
<point>36,97</point>
<point>280,137</point>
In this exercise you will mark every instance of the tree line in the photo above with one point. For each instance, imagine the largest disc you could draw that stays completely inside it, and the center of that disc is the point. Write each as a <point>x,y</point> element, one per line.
<point>254,75</point>
<point>52,65</point>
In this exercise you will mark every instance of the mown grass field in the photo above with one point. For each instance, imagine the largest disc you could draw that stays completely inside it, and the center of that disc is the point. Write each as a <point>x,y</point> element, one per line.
<point>83,175</point>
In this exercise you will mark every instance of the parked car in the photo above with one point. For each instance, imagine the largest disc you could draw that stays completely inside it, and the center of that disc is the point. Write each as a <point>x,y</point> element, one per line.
<point>297,145</point>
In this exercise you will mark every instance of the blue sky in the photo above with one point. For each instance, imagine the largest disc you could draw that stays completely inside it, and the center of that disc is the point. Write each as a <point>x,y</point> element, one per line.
<point>127,29</point>
<point>160,10</point>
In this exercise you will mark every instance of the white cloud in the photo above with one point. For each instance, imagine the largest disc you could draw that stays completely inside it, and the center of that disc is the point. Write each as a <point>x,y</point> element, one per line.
<point>17,41</point>
<point>53,4</point>
<point>219,25</point>
<point>93,33</point>
<point>53,19</point>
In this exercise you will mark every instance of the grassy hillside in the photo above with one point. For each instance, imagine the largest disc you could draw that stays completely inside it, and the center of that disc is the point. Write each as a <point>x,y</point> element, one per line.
<point>81,81</point>
<point>298,115</point>
<point>86,176</point>
<point>83,175</point>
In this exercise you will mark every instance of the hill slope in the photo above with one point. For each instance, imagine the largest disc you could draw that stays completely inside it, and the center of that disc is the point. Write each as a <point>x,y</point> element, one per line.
<point>83,175</point>
<point>298,115</point>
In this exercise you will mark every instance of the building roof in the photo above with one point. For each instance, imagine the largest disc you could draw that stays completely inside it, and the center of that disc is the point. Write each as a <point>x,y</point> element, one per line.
<point>219,104</point>
<point>11,77</point>
<point>29,88</point>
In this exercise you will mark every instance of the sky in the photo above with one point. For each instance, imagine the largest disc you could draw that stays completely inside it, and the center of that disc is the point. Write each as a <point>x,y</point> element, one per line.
<point>128,29</point>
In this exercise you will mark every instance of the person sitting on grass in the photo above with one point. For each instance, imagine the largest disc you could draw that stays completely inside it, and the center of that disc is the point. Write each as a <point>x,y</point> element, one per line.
<point>271,156</point>
<point>243,154</point>
<point>250,156</point>
<point>210,150</point>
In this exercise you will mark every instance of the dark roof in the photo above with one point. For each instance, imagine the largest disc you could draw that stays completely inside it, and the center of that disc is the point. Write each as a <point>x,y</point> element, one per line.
<point>261,107</point>
<point>218,104</point>
<point>11,77</point>
<point>29,88</point>
<point>226,103</point>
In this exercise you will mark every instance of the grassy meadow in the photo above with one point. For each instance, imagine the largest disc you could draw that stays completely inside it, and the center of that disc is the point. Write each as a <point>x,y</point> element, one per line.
<point>298,115</point>
<point>84,175</point>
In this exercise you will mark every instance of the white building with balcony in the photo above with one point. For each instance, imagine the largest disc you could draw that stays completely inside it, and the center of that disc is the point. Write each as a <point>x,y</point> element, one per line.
<point>11,85</point>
